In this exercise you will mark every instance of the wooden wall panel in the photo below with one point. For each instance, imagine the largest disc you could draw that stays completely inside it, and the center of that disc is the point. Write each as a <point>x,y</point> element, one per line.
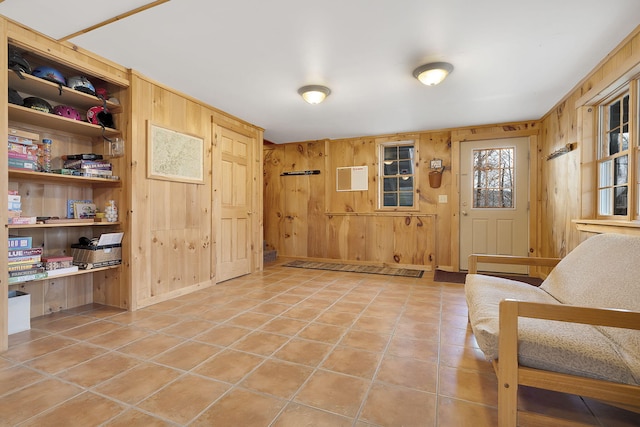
<point>173,220</point>
<point>273,197</point>
<point>306,217</point>
<point>316,241</point>
<point>567,182</point>
<point>352,229</point>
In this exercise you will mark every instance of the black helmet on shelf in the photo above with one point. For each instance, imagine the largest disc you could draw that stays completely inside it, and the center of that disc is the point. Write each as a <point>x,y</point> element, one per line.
<point>17,62</point>
<point>37,104</point>
<point>14,97</point>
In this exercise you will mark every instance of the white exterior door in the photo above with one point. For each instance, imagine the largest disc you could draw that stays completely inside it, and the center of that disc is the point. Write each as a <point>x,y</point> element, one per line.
<point>234,227</point>
<point>494,201</point>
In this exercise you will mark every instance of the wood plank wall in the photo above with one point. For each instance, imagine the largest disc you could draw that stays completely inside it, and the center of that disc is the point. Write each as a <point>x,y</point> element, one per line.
<point>171,221</point>
<point>173,224</point>
<point>568,180</point>
<point>305,217</point>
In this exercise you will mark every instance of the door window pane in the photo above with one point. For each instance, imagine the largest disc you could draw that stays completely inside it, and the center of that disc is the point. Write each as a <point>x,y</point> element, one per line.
<point>493,178</point>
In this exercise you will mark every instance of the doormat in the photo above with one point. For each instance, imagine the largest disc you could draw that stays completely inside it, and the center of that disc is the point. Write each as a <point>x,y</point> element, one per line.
<point>459,277</point>
<point>404,272</point>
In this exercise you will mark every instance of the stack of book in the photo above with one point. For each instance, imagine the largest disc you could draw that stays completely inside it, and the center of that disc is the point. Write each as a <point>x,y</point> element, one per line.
<point>89,168</point>
<point>24,263</point>
<point>23,150</point>
<point>59,265</point>
<point>15,210</point>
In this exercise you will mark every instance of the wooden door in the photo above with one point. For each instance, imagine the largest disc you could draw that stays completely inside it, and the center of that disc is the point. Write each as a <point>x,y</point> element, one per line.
<point>494,200</point>
<point>234,226</point>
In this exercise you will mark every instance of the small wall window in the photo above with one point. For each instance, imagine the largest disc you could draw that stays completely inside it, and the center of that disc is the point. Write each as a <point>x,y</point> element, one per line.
<point>397,175</point>
<point>613,157</point>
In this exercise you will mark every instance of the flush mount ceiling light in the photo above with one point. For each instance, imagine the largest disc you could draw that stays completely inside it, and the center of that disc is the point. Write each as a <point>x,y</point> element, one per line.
<point>314,94</point>
<point>433,73</point>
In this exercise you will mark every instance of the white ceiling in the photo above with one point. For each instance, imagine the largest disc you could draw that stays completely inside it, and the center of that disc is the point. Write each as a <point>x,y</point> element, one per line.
<point>514,59</point>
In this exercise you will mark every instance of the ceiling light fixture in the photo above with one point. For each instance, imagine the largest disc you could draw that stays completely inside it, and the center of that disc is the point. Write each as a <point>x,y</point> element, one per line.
<point>314,94</point>
<point>433,73</point>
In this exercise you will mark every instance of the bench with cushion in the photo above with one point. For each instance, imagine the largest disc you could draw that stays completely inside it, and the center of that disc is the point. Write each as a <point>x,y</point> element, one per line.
<point>579,332</point>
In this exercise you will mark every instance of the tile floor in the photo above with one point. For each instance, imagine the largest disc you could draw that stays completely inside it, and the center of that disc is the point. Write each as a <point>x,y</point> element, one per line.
<point>283,347</point>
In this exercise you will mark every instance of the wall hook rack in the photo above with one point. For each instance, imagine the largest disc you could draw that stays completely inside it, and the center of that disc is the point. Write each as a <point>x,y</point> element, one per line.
<point>564,150</point>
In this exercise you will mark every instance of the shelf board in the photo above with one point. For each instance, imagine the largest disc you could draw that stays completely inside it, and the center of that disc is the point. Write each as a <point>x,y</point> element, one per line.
<point>75,273</point>
<point>44,177</point>
<point>41,88</point>
<point>64,224</point>
<point>29,115</point>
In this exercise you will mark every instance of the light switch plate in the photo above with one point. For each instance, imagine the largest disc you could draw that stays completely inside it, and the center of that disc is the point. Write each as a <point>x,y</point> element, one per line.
<point>442,198</point>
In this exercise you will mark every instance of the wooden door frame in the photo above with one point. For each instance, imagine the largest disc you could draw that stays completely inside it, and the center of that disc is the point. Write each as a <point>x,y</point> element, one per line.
<point>534,188</point>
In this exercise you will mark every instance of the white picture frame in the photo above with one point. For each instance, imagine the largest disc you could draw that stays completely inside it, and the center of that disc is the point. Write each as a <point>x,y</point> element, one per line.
<point>174,156</point>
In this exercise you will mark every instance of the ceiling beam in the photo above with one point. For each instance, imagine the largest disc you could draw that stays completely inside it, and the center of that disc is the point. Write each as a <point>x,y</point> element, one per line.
<point>112,20</point>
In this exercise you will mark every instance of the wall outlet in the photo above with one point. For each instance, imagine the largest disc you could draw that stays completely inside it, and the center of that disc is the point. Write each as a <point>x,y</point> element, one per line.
<point>442,198</point>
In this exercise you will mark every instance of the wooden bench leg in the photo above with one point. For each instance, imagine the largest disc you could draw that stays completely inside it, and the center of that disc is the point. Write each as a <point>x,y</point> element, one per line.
<point>508,365</point>
<point>507,401</point>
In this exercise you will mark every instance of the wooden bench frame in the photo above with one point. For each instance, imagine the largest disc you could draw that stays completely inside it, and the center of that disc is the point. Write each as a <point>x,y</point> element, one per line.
<point>510,374</point>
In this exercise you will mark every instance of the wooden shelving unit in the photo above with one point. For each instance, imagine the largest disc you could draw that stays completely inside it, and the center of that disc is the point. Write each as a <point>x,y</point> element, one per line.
<point>46,194</point>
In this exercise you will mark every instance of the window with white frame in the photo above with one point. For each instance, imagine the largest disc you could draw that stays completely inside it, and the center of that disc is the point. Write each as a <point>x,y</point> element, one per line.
<point>616,155</point>
<point>397,175</point>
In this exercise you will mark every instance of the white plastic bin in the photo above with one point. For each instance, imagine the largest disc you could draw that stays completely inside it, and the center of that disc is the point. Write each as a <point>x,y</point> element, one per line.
<point>19,311</point>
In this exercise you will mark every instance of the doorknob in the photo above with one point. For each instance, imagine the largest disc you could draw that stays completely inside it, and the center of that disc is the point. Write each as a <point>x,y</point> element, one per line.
<point>464,213</point>
<point>249,212</point>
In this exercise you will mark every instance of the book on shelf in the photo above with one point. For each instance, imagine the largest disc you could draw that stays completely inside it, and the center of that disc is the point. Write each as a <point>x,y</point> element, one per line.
<point>31,259</point>
<point>19,242</point>
<point>57,262</point>
<point>81,172</point>
<point>14,197</point>
<point>87,164</point>
<point>14,253</point>
<point>14,213</point>
<point>23,149</point>
<point>21,156</point>
<point>19,140</point>
<point>106,172</point>
<point>82,156</point>
<point>61,271</point>
<point>15,267</point>
<point>27,272</point>
<point>34,276</point>
<point>71,203</point>
<point>15,206</point>
<point>84,210</point>
<point>24,259</point>
<point>23,220</point>
<point>67,220</point>
<point>23,164</point>
<point>22,136</point>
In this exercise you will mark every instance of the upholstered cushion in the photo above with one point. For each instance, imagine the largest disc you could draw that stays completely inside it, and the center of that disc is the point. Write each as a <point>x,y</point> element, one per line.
<point>484,294</point>
<point>557,346</point>
<point>603,271</point>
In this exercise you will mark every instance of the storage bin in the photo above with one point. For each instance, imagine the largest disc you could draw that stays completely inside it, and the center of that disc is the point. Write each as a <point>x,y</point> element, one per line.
<point>19,312</point>
<point>87,257</point>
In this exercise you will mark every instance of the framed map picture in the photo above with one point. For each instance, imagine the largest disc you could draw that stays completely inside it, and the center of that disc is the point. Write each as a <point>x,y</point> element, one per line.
<point>174,156</point>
